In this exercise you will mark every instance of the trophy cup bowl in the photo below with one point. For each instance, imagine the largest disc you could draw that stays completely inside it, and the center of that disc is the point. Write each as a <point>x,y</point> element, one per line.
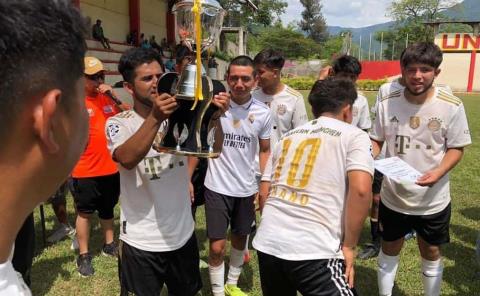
<point>194,128</point>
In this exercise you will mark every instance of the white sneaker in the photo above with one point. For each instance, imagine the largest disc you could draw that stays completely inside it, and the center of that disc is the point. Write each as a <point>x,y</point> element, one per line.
<point>62,231</point>
<point>74,246</point>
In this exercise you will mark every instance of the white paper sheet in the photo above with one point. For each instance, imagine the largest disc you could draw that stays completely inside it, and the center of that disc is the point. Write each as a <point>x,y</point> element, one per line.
<point>397,170</point>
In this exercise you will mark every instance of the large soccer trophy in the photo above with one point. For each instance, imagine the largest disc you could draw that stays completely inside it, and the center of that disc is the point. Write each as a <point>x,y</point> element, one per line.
<point>194,128</point>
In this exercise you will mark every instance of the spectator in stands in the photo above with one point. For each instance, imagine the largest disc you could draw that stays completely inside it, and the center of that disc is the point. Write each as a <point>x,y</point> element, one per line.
<point>154,45</point>
<point>97,34</point>
<point>132,38</point>
<point>96,181</point>
<point>170,65</point>
<point>144,42</point>
<point>43,121</point>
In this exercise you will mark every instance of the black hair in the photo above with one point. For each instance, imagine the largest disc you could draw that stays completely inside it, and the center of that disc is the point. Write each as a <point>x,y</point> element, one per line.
<point>422,52</point>
<point>331,95</point>
<point>347,64</point>
<point>135,57</point>
<point>242,60</point>
<point>271,58</point>
<point>42,45</point>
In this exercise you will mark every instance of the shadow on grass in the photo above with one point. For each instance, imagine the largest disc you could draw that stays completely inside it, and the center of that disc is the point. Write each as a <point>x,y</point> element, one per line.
<point>366,282</point>
<point>463,275</point>
<point>472,213</point>
<point>45,271</point>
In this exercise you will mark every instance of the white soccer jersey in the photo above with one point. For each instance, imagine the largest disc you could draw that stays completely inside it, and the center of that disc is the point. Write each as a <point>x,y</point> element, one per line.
<point>387,88</point>
<point>233,172</point>
<point>361,113</point>
<point>287,110</point>
<point>155,201</point>
<point>303,216</point>
<point>420,135</point>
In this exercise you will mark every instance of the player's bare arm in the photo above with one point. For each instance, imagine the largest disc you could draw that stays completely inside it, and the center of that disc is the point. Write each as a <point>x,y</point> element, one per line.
<point>264,153</point>
<point>134,149</point>
<point>263,192</point>
<point>192,163</point>
<point>376,147</point>
<point>449,161</point>
<point>356,211</point>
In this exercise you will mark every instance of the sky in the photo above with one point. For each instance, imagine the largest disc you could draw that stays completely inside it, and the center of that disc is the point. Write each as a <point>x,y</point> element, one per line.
<point>344,13</point>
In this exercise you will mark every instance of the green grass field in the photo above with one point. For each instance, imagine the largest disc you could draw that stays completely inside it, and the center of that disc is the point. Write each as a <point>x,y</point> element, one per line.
<point>54,271</point>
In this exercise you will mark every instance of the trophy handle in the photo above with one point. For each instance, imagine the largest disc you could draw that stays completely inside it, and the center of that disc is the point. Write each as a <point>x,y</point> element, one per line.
<point>207,88</point>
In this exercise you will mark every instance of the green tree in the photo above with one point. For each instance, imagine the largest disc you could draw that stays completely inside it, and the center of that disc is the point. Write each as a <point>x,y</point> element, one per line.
<point>241,15</point>
<point>313,23</point>
<point>291,43</point>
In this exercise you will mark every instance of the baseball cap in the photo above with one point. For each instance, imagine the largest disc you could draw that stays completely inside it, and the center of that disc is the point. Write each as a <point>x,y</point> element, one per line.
<point>92,65</point>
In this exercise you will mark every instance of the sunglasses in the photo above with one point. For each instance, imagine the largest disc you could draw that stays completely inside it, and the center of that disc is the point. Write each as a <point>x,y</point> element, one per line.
<point>96,77</point>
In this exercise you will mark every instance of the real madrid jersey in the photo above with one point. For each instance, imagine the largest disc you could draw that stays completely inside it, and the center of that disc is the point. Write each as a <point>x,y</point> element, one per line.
<point>155,202</point>
<point>308,174</point>
<point>420,135</point>
<point>233,172</point>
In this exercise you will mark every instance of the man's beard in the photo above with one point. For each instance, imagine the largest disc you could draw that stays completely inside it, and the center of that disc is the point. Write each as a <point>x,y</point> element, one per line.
<point>421,92</point>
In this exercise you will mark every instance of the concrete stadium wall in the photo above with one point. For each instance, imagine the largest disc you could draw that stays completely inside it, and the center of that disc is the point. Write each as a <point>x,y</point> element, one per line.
<point>455,69</point>
<point>153,18</point>
<point>113,13</point>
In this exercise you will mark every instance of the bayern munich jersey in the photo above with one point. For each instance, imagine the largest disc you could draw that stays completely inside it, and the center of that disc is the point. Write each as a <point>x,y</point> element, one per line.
<point>308,174</point>
<point>287,109</point>
<point>419,135</point>
<point>360,112</point>
<point>155,202</point>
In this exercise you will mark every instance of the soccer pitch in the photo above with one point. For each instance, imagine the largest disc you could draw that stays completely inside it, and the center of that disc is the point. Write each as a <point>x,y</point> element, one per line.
<point>54,270</point>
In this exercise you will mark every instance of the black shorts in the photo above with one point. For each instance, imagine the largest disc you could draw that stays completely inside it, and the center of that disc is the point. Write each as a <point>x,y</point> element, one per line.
<point>222,210</point>
<point>434,229</point>
<point>377,182</point>
<point>325,277</point>
<point>143,273</point>
<point>97,194</point>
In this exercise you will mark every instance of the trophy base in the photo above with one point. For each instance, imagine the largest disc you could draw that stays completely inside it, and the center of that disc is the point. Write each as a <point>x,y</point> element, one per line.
<point>201,154</point>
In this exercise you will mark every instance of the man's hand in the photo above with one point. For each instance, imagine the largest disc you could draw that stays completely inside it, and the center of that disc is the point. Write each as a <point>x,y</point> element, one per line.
<point>326,72</point>
<point>163,106</point>
<point>222,101</point>
<point>349,254</point>
<point>429,178</point>
<point>103,88</point>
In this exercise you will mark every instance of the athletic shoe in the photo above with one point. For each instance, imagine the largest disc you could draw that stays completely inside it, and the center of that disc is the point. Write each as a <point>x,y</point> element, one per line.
<point>233,290</point>
<point>369,251</point>
<point>74,246</point>
<point>62,231</point>
<point>410,235</point>
<point>84,265</point>
<point>110,249</point>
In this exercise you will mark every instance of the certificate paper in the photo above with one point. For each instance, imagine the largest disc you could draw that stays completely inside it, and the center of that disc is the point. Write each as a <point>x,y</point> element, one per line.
<point>397,170</point>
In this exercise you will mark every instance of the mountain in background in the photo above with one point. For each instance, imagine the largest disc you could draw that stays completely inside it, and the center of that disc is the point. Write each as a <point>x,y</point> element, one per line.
<point>468,10</point>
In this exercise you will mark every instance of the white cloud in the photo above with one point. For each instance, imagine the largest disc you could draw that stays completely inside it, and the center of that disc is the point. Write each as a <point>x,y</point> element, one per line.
<point>344,13</point>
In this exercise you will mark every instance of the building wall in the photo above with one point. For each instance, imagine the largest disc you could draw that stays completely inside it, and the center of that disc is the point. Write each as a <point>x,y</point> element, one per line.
<point>476,78</point>
<point>153,18</point>
<point>113,13</point>
<point>455,68</point>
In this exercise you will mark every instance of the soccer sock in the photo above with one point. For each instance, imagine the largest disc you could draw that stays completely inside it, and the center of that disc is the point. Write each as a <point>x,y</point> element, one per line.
<point>235,268</point>
<point>374,230</point>
<point>432,276</point>
<point>217,274</point>
<point>387,269</point>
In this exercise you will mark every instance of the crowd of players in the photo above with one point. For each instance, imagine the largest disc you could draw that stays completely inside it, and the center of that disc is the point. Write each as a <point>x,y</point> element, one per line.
<point>313,179</point>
